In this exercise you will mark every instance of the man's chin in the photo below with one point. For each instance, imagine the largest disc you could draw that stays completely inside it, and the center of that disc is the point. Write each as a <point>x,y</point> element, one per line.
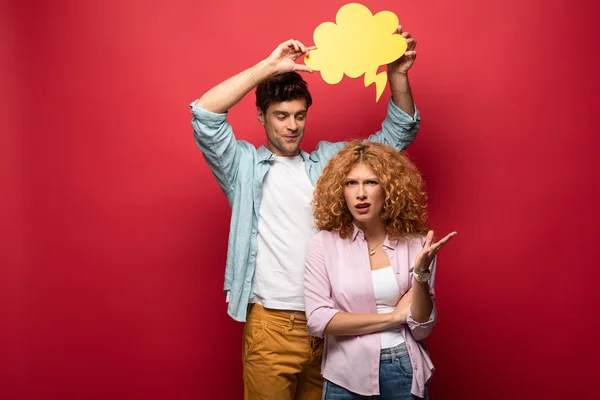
<point>286,149</point>
<point>291,150</point>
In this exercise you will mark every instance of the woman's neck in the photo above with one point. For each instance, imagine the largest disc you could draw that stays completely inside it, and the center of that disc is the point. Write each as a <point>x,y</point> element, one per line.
<point>374,231</point>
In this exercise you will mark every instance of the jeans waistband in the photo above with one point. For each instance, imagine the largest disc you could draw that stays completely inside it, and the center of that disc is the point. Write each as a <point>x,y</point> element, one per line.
<point>393,353</point>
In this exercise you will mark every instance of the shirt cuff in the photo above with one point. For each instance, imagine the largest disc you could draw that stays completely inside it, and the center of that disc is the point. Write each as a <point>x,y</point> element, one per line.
<point>318,321</point>
<point>412,323</point>
<point>399,114</point>
<point>205,116</point>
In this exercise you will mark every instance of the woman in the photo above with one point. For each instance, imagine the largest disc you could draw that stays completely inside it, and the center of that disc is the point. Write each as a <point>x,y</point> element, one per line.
<point>368,285</point>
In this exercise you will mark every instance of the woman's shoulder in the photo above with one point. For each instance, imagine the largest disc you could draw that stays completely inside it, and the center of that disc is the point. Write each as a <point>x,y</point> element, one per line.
<point>328,239</point>
<point>412,241</point>
<point>327,236</point>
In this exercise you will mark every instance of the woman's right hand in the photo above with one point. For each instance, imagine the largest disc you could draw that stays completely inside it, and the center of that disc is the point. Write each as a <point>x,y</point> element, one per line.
<point>400,313</point>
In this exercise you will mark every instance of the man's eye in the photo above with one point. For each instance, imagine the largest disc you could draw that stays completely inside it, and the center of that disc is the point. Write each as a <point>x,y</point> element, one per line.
<point>300,117</point>
<point>350,183</point>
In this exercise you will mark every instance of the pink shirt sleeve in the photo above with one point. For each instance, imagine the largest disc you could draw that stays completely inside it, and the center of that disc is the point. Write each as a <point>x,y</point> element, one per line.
<point>318,304</point>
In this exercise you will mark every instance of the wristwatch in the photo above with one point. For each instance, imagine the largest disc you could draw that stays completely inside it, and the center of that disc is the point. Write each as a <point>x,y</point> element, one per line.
<point>423,277</point>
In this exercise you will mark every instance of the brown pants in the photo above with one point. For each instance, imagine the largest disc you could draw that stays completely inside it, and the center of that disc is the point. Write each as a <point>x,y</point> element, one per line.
<point>281,360</point>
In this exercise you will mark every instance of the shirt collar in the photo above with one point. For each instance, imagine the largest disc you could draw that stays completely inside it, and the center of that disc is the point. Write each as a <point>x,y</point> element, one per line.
<point>390,244</point>
<point>265,154</point>
<point>356,233</point>
<point>304,155</point>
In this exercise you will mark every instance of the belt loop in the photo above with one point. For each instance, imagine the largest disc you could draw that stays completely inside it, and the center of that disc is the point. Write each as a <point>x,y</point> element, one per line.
<point>394,355</point>
<point>292,319</point>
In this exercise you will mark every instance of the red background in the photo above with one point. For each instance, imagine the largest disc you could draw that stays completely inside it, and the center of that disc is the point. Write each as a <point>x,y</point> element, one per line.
<point>114,231</point>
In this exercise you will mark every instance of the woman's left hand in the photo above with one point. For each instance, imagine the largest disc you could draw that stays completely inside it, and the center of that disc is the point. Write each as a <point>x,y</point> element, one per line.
<point>427,254</point>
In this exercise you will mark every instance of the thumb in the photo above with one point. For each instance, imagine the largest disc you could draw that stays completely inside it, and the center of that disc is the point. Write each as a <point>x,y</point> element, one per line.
<point>302,68</point>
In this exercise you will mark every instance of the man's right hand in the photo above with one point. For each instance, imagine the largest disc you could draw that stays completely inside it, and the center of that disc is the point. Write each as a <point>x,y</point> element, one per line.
<point>226,94</point>
<point>283,58</point>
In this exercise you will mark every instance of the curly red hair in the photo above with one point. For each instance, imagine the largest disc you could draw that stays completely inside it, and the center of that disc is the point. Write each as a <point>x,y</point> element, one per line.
<point>405,198</point>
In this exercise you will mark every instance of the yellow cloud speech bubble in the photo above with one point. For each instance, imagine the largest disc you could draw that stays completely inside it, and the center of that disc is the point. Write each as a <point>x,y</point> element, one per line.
<point>358,44</point>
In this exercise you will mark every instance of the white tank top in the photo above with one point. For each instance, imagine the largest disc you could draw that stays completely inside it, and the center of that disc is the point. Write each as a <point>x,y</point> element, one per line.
<point>387,297</point>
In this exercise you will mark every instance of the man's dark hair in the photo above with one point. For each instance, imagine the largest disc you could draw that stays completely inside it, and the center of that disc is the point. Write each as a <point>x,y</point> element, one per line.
<point>283,87</point>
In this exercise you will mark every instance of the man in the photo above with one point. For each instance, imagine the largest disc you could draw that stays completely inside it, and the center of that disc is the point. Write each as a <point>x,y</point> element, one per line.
<point>269,190</point>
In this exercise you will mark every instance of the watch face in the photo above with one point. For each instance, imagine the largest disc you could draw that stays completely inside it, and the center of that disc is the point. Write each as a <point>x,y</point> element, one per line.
<point>424,277</point>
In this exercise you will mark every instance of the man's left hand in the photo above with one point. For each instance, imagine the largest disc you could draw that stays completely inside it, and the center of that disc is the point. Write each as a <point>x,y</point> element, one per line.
<point>403,64</point>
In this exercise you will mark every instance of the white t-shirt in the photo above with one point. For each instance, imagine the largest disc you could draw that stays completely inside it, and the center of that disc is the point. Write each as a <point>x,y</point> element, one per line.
<point>285,226</point>
<point>387,296</point>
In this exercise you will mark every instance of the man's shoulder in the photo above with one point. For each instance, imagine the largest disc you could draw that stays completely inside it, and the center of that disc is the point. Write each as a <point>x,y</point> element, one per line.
<point>247,146</point>
<point>326,150</point>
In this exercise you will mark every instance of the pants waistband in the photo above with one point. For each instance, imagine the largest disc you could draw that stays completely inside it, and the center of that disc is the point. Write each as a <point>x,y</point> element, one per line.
<point>394,353</point>
<point>256,310</point>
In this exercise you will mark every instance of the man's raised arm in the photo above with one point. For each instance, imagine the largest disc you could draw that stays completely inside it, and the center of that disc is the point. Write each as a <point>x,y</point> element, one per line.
<point>228,93</point>
<point>402,123</point>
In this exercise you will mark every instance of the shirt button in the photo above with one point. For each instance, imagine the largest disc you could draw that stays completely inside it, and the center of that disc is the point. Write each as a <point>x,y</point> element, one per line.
<point>248,280</point>
<point>253,230</point>
<point>253,253</point>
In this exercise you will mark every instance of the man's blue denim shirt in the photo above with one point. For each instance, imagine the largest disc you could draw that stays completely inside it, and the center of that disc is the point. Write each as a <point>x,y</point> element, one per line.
<point>240,169</point>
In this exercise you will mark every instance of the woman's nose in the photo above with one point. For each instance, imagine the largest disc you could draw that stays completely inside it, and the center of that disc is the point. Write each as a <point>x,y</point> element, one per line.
<point>361,194</point>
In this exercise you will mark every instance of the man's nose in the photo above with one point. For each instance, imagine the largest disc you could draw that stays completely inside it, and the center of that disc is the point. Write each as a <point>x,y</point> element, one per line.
<point>293,125</point>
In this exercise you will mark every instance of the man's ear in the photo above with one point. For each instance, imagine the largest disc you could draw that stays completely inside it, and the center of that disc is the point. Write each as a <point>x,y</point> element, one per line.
<point>260,115</point>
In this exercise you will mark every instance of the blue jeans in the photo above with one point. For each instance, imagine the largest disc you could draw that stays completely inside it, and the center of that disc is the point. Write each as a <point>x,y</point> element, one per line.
<point>395,379</point>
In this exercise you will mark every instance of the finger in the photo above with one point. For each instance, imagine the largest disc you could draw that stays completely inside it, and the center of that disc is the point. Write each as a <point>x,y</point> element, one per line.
<point>399,30</point>
<point>296,46</point>
<point>429,239</point>
<point>448,237</point>
<point>406,35</point>
<point>412,43</point>
<point>410,54</point>
<point>291,45</point>
<point>406,296</point>
<point>302,46</point>
<point>302,68</point>
<point>311,48</point>
<point>442,242</point>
